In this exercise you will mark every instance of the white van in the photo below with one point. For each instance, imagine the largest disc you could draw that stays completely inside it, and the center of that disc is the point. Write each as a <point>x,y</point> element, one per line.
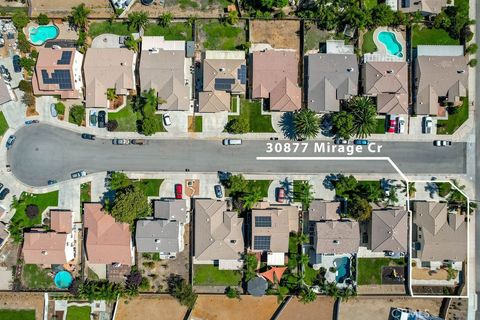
<point>229,142</point>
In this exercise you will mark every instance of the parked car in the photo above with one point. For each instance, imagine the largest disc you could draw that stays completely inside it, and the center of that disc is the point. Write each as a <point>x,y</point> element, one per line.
<point>10,141</point>
<point>16,63</point>
<point>280,195</point>
<point>93,118</point>
<point>29,122</point>
<point>230,142</point>
<point>400,125</point>
<point>120,141</point>
<point>4,193</point>
<point>78,174</point>
<point>178,191</point>
<point>218,191</point>
<point>427,124</point>
<point>50,182</point>
<point>166,119</point>
<point>361,142</point>
<point>101,119</point>
<point>88,136</point>
<point>138,141</point>
<point>1,185</point>
<point>392,124</point>
<point>442,143</point>
<point>340,141</point>
<point>53,110</point>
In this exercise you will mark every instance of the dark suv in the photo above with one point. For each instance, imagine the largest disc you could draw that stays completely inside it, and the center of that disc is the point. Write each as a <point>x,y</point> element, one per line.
<point>16,63</point>
<point>101,118</point>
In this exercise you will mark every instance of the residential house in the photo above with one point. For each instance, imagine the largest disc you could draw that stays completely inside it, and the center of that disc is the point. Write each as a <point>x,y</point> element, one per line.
<point>218,235</point>
<point>389,230</point>
<point>107,241</point>
<point>164,233</point>
<point>108,68</point>
<point>51,247</point>
<point>438,234</point>
<point>441,77</point>
<point>320,210</point>
<point>336,237</point>
<point>388,82</point>
<point>58,72</point>
<point>165,68</point>
<point>330,78</point>
<point>224,74</point>
<point>274,77</point>
<point>271,228</point>
<point>426,7</point>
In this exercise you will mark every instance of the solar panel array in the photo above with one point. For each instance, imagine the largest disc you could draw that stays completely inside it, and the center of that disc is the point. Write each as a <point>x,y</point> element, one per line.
<point>263,221</point>
<point>60,77</point>
<point>66,57</point>
<point>261,243</point>
<point>224,84</point>
<point>242,74</point>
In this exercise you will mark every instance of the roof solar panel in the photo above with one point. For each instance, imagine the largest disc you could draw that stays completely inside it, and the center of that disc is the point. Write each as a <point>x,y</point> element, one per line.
<point>261,243</point>
<point>263,221</point>
<point>242,74</point>
<point>223,84</point>
<point>60,77</point>
<point>65,59</point>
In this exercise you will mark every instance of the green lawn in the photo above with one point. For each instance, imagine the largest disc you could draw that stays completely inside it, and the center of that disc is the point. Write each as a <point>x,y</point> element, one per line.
<point>209,275</point>
<point>454,120</point>
<point>151,187</point>
<point>118,28</point>
<point>7,314</point>
<point>220,36</point>
<point>184,4</point>
<point>3,124</point>
<point>198,123</point>
<point>85,189</point>
<point>35,277</point>
<point>78,313</point>
<point>310,275</point>
<point>368,45</point>
<point>380,128</point>
<point>426,36</point>
<point>369,4</point>
<point>370,269</point>
<point>251,109</point>
<point>263,185</point>
<point>126,118</point>
<point>175,31</point>
<point>41,200</point>
<point>233,104</point>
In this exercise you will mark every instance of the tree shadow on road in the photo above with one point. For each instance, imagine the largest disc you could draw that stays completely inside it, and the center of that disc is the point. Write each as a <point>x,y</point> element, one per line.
<point>287,125</point>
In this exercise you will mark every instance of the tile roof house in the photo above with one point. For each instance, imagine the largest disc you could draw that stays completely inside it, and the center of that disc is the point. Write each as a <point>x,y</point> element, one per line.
<point>108,68</point>
<point>51,247</point>
<point>439,78</point>
<point>388,81</point>
<point>336,237</point>
<point>224,73</point>
<point>218,234</point>
<point>320,210</point>
<point>274,76</point>
<point>107,241</point>
<point>330,78</point>
<point>58,72</point>
<point>426,7</point>
<point>441,235</point>
<point>164,67</point>
<point>389,229</point>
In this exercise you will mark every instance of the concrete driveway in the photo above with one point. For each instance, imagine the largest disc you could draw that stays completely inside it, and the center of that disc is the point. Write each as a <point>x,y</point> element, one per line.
<point>214,122</point>
<point>179,121</point>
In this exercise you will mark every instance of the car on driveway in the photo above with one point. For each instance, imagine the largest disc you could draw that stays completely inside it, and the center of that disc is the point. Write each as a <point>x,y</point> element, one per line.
<point>120,141</point>
<point>10,141</point>
<point>29,122</point>
<point>88,136</point>
<point>280,195</point>
<point>93,118</point>
<point>360,142</point>
<point>4,193</point>
<point>178,191</point>
<point>101,119</point>
<point>400,125</point>
<point>442,143</point>
<point>166,119</point>
<point>218,191</point>
<point>16,63</point>
<point>392,124</point>
<point>427,125</point>
<point>53,110</point>
<point>79,174</point>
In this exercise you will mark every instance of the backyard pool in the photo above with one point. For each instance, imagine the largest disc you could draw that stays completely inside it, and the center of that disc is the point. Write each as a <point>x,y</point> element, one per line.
<point>39,35</point>
<point>389,40</point>
<point>343,269</point>
<point>63,279</point>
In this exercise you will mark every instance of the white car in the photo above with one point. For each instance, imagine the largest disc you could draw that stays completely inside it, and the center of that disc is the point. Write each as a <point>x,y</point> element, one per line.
<point>427,125</point>
<point>78,174</point>
<point>166,119</point>
<point>442,143</point>
<point>400,125</point>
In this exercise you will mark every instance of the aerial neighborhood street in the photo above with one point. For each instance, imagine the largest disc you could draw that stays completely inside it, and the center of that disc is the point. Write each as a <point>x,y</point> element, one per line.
<point>239,159</point>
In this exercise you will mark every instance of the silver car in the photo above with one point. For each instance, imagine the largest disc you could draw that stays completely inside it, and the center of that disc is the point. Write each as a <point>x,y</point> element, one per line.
<point>78,174</point>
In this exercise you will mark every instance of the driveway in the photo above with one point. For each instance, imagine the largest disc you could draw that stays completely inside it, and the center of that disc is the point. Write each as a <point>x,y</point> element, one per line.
<point>179,121</point>
<point>214,122</point>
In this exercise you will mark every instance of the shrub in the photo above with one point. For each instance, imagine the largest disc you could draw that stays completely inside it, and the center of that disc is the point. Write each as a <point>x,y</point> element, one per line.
<point>472,49</point>
<point>25,86</point>
<point>77,115</point>
<point>112,125</point>
<point>43,19</point>
<point>28,99</point>
<point>472,63</point>
<point>238,126</point>
<point>60,108</point>
<point>232,293</point>
<point>23,44</point>
<point>31,211</point>
<point>20,20</point>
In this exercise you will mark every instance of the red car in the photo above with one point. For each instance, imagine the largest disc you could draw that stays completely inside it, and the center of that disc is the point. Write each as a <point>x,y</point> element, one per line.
<point>280,195</point>
<point>178,191</point>
<point>392,124</point>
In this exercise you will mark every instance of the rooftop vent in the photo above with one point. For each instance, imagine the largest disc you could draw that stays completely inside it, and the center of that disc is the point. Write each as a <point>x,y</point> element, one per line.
<point>460,71</point>
<point>221,69</point>
<point>350,69</point>
<point>233,241</point>
<point>389,71</point>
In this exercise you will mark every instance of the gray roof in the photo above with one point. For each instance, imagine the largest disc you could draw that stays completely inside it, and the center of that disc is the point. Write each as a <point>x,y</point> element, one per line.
<point>330,78</point>
<point>443,234</point>
<point>337,237</point>
<point>323,210</point>
<point>164,71</point>
<point>389,230</point>
<point>440,51</point>
<point>157,236</point>
<point>257,286</point>
<point>170,209</point>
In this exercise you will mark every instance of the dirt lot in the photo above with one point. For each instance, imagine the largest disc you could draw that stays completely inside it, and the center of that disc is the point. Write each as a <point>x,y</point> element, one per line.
<point>198,8</point>
<point>279,34</point>
<point>427,274</point>
<point>61,8</point>
<point>321,309</point>
<point>378,309</point>
<point>152,307</point>
<point>221,307</point>
<point>23,301</point>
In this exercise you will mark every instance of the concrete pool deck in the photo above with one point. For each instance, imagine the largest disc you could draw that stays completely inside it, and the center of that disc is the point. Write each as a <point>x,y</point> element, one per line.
<point>382,53</point>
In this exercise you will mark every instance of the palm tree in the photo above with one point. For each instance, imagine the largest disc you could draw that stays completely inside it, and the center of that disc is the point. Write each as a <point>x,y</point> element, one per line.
<point>304,194</point>
<point>304,259</point>
<point>307,295</point>
<point>372,192</point>
<point>165,19</point>
<point>392,198</point>
<point>79,16</point>
<point>347,293</point>
<point>111,95</point>
<point>301,238</point>
<point>137,20</point>
<point>411,188</point>
<point>306,123</point>
<point>364,116</point>
<point>251,198</point>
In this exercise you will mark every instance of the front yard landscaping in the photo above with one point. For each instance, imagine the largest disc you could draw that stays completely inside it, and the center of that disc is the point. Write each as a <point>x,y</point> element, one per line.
<point>370,269</point>
<point>174,31</point>
<point>78,313</point>
<point>210,275</point>
<point>455,120</point>
<point>369,4</point>
<point>219,36</point>
<point>263,185</point>
<point>380,128</point>
<point>150,187</point>
<point>422,35</point>
<point>3,124</point>
<point>85,189</point>
<point>34,277</point>
<point>368,45</point>
<point>118,28</point>
<point>8,314</point>
<point>126,119</point>
<point>198,124</point>
<point>252,111</point>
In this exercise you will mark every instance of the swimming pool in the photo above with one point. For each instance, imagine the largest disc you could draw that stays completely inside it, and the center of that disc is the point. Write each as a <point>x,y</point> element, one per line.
<point>39,35</point>
<point>63,279</point>
<point>343,269</point>
<point>389,40</point>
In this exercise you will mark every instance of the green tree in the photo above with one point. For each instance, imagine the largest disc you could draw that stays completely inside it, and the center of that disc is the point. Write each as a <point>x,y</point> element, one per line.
<point>359,208</point>
<point>382,15</point>
<point>301,238</point>
<point>118,180</point>
<point>411,188</point>
<point>371,192</point>
<point>150,125</point>
<point>43,19</point>
<point>304,193</point>
<point>472,49</point>
<point>364,115</point>
<point>28,64</point>
<point>238,125</point>
<point>473,63</point>
<point>249,266</point>
<point>236,184</point>
<point>307,295</point>
<point>251,198</point>
<point>77,114</point>
<point>184,293</point>
<point>25,86</point>
<point>191,20</point>
<point>232,293</point>
<point>131,43</point>
<point>130,204</point>
<point>111,95</point>
<point>28,99</point>
<point>137,20</point>
<point>344,186</point>
<point>79,16</point>
<point>392,197</point>
<point>306,123</point>
<point>347,293</point>
<point>356,16</point>
<point>165,19</point>
<point>399,18</point>
<point>342,123</point>
<point>100,290</point>
<point>20,19</point>
<point>232,17</point>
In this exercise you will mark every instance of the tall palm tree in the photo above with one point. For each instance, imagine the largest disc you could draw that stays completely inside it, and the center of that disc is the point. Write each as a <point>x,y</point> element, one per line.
<point>411,188</point>
<point>301,238</point>
<point>364,115</point>
<point>392,198</point>
<point>79,16</point>
<point>137,20</point>
<point>304,194</point>
<point>306,123</point>
<point>165,19</point>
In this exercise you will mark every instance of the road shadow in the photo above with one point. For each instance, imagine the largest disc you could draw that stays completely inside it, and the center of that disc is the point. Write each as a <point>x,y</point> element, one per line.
<point>326,126</point>
<point>288,126</point>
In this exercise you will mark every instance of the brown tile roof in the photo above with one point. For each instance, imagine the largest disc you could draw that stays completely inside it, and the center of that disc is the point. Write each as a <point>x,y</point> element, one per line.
<point>61,221</point>
<point>41,247</point>
<point>213,101</point>
<point>107,241</point>
<point>324,210</point>
<point>222,69</point>
<point>389,230</point>
<point>336,237</point>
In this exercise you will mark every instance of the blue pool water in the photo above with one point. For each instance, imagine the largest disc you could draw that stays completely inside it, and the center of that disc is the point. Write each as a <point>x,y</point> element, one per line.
<point>39,35</point>
<point>391,43</point>
<point>343,269</point>
<point>63,279</point>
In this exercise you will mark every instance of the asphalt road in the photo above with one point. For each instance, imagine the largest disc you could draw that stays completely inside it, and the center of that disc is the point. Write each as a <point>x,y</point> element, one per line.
<point>42,152</point>
<point>477,170</point>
